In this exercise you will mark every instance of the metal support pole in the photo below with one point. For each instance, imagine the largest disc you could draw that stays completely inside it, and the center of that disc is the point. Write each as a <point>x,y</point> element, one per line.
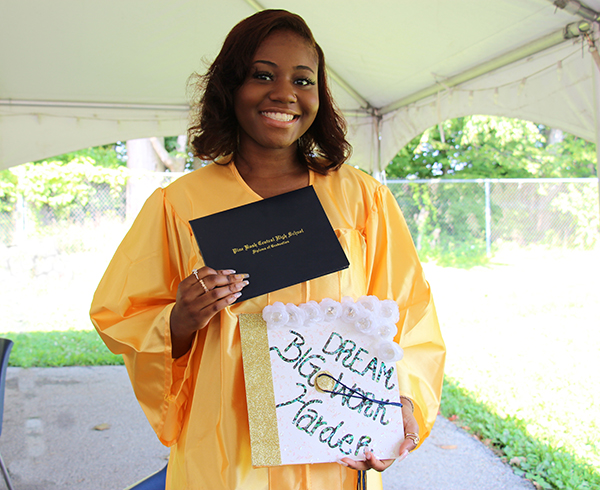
<point>20,233</point>
<point>596,80</point>
<point>488,219</point>
<point>568,32</point>
<point>378,171</point>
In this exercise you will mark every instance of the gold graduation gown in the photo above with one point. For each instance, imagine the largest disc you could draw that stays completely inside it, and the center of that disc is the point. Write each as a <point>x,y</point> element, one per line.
<point>197,403</point>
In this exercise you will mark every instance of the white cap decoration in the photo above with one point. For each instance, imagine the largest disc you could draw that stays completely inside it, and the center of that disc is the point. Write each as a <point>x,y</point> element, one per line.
<point>370,316</point>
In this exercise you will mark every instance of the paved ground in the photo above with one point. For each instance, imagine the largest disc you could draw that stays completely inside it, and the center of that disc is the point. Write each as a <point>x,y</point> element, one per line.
<point>50,439</point>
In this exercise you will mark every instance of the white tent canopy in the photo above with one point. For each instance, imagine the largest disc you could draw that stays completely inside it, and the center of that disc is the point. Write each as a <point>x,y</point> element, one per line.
<point>75,74</point>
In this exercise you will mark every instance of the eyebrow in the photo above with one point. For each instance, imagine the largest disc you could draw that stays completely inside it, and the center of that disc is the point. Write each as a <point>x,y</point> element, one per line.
<point>299,67</point>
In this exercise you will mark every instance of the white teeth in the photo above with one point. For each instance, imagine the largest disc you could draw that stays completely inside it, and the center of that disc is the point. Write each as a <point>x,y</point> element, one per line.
<point>278,116</point>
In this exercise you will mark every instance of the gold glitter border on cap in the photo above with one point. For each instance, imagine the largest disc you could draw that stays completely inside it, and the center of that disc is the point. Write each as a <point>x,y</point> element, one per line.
<point>260,396</point>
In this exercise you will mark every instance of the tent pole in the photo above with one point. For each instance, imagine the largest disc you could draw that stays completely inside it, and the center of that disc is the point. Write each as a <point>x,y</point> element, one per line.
<point>570,31</point>
<point>377,171</point>
<point>596,80</point>
<point>93,105</point>
<point>256,5</point>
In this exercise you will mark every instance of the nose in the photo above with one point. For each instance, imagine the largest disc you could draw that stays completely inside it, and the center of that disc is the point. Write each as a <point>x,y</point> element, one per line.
<point>283,91</point>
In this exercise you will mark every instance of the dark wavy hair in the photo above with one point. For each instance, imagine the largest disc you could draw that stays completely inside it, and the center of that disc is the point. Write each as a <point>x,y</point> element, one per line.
<point>213,131</point>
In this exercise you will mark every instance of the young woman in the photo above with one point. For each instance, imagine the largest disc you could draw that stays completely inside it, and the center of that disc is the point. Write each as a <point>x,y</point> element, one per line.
<point>266,118</point>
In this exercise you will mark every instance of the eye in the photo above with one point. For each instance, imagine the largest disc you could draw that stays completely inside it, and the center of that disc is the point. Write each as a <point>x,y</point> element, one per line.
<point>262,75</point>
<point>305,82</point>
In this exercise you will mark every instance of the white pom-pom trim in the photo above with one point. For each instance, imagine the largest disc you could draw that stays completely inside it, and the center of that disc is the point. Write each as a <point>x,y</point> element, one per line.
<point>369,315</point>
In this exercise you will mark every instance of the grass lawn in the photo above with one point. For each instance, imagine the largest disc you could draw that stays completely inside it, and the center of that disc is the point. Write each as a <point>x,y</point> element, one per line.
<point>42,289</point>
<point>522,333</point>
<point>523,338</point>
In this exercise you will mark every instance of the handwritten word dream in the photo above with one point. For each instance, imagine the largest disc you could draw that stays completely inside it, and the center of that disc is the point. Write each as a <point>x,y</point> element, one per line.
<point>344,351</point>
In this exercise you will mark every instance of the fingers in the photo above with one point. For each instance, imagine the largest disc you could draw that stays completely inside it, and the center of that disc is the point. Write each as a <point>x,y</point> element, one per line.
<point>201,295</point>
<point>407,446</point>
<point>376,464</point>
<point>211,286</point>
<point>411,431</point>
<point>410,442</point>
<point>370,463</point>
<point>214,279</point>
<point>231,281</point>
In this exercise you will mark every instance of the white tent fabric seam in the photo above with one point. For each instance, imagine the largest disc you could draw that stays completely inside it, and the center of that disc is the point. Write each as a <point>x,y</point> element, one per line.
<point>68,82</point>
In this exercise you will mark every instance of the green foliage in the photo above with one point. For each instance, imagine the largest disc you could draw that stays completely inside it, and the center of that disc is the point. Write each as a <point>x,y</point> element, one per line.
<point>573,157</point>
<point>110,156</point>
<point>8,193</point>
<point>550,467</point>
<point>493,147</point>
<point>172,147</point>
<point>580,203</point>
<point>56,188</point>
<point>60,348</point>
<point>447,221</point>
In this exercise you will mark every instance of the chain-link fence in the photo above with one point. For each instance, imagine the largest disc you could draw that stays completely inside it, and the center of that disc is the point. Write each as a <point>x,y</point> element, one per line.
<point>444,216</point>
<point>454,215</point>
<point>43,237</point>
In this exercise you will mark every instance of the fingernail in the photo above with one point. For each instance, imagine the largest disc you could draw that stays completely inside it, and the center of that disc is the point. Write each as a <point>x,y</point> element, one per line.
<point>234,296</point>
<point>241,285</point>
<point>228,272</point>
<point>403,456</point>
<point>343,463</point>
<point>242,276</point>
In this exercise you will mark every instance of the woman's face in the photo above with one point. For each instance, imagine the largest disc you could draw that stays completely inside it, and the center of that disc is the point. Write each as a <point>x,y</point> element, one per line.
<point>279,99</point>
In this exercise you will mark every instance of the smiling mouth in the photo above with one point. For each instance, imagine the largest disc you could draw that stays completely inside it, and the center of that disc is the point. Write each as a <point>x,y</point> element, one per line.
<point>279,116</point>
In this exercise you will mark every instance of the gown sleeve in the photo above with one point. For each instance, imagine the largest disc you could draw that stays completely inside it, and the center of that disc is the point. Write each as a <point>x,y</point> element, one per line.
<point>132,306</point>
<point>394,271</point>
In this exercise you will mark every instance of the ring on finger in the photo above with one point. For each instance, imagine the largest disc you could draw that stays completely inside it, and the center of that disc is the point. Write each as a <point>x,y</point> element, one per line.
<point>201,281</point>
<point>195,272</point>
<point>414,437</point>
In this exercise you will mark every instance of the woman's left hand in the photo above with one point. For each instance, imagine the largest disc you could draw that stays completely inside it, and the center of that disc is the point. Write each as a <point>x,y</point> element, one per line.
<point>410,425</point>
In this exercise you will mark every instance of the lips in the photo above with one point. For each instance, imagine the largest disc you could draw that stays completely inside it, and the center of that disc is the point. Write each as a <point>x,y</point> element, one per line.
<point>279,116</point>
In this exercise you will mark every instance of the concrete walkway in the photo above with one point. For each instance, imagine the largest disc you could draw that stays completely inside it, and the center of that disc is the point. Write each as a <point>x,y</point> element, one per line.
<point>81,428</point>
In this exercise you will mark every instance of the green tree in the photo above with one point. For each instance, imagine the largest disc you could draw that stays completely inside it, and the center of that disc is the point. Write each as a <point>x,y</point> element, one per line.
<point>8,194</point>
<point>109,156</point>
<point>447,221</point>
<point>572,157</point>
<point>493,147</point>
<point>65,190</point>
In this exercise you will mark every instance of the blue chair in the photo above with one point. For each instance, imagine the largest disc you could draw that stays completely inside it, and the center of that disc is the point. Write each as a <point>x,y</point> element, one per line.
<point>156,481</point>
<point>5,347</point>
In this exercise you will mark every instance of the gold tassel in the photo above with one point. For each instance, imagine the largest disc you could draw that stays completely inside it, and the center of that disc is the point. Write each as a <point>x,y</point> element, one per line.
<point>362,480</point>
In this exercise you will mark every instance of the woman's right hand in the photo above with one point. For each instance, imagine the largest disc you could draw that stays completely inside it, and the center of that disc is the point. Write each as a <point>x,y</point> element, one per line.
<point>200,296</point>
